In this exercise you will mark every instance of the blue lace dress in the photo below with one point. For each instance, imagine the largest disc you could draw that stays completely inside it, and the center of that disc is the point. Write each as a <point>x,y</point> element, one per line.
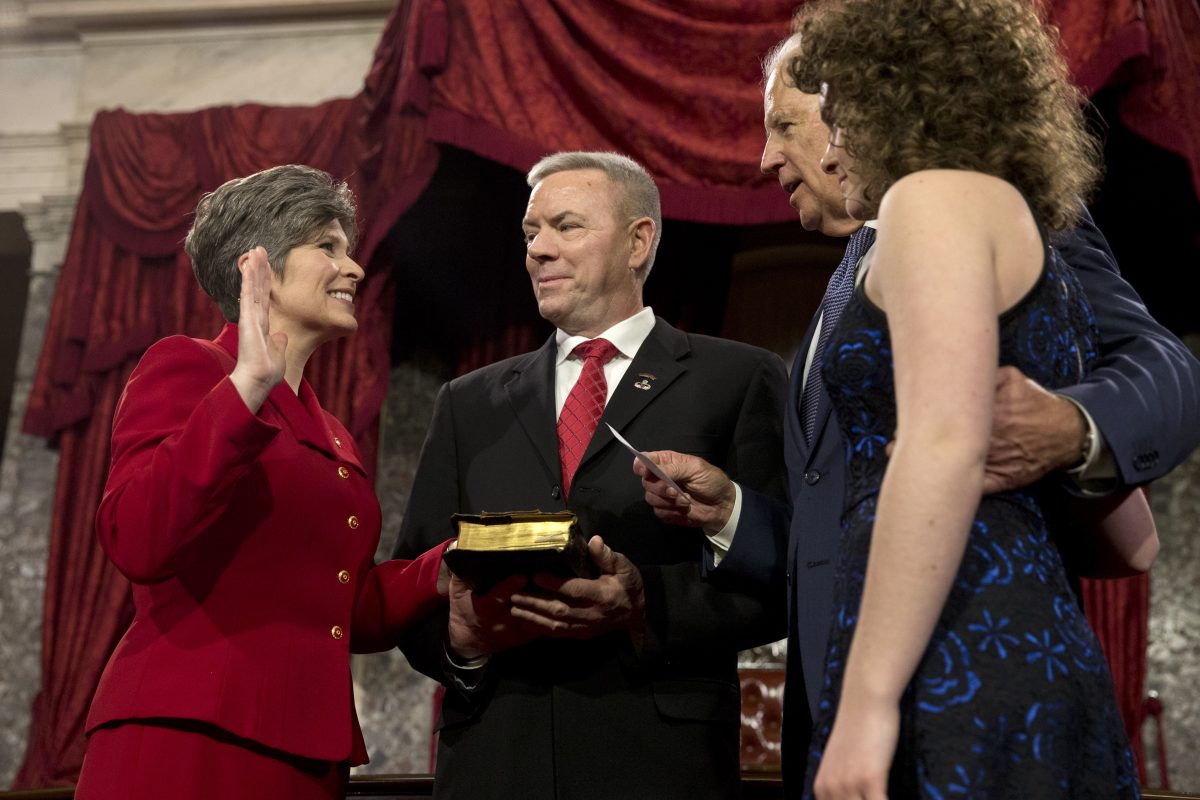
<point>1013,697</point>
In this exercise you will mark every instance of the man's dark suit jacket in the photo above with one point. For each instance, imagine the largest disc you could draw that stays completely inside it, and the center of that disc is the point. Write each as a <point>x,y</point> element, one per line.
<point>595,718</point>
<point>1144,396</point>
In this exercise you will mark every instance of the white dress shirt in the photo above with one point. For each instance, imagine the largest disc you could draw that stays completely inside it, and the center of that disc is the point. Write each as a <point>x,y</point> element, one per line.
<point>627,336</point>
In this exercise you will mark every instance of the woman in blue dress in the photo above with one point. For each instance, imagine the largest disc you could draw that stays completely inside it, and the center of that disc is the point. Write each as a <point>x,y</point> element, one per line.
<point>959,661</point>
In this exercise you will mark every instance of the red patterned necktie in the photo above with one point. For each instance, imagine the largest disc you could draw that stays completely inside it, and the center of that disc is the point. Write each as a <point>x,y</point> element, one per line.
<point>583,408</point>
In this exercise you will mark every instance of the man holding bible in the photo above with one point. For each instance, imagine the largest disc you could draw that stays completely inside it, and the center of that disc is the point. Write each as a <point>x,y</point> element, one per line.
<point>623,685</point>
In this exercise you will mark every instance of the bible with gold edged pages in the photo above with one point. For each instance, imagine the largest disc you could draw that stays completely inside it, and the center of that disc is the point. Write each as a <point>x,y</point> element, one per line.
<point>495,545</point>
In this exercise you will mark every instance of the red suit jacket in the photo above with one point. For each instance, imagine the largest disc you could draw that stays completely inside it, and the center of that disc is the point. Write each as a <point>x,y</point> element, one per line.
<point>250,541</point>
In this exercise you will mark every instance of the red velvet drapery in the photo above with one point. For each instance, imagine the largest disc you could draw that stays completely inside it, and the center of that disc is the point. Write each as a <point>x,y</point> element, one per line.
<point>1148,50</point>
<point>1119,610</point>
<point>675,85</point>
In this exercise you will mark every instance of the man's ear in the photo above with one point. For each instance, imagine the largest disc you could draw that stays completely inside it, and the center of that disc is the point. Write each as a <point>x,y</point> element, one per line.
<point>641,238</point>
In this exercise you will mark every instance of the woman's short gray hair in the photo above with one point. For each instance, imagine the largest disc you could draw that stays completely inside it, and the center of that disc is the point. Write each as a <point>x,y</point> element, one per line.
<point>638,194</point>
<point>278,208</point>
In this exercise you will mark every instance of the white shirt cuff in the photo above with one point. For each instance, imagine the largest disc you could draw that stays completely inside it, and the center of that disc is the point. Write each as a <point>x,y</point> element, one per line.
<point>1097,474</point>
<point>722,540</point>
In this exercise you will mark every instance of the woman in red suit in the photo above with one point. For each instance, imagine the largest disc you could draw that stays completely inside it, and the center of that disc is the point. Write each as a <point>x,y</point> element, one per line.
<point>243,516</point>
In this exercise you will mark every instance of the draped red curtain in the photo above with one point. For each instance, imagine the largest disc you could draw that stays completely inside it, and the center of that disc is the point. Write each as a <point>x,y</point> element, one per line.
<point>674,85</point>
<point>1147,50</point>
<point>1119,610</point>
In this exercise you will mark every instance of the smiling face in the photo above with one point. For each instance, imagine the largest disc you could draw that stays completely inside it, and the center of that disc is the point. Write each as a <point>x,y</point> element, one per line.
<point>584,259</point>
<point>314,300</point>
<point>796,138</point>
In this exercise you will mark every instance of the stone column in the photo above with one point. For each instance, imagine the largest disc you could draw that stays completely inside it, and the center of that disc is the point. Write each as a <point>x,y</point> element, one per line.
<point>28,473</point>
<point>395,702</point>
<point>1173,654</point>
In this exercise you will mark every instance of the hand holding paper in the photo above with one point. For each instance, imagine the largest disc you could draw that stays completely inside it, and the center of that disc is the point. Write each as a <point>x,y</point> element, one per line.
<point>645,459</point>
<point>684,489</point>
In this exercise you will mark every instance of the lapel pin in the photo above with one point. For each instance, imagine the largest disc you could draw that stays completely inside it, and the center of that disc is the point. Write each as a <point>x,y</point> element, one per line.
<point>644,383</point>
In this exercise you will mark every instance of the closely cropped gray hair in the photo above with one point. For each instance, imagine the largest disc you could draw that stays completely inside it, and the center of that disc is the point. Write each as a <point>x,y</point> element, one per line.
<point>278,208</point>
<point>638,192</point>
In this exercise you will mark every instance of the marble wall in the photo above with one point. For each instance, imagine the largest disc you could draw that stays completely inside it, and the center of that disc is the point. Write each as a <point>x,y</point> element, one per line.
<point>395,703</point>
<point>1173,655</point>
<point>28,474</point>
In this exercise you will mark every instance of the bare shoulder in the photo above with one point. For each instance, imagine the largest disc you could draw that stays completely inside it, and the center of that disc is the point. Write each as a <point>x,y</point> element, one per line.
<point>960,218</point>
<point>953,194</point>
<point>959,204</point>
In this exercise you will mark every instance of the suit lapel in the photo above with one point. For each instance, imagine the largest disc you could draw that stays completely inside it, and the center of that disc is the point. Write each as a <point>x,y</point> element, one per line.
<point>824,412</point>
<point>530,390</point>
<point>655,368</point>
<point>304,418</point>
<point>794,427</point>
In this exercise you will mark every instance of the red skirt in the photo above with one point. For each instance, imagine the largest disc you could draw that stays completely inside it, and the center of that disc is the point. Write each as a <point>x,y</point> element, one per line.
<point>184,760</point>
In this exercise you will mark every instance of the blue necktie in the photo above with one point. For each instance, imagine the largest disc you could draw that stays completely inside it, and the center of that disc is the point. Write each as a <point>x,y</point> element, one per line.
<point>837,295</point>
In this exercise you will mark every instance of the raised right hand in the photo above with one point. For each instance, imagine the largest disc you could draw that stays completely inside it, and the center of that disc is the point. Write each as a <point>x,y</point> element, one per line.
<point>710,493</point>
<point>260,362</point>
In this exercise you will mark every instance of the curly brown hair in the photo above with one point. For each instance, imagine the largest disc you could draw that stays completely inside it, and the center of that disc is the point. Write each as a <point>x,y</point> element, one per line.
<point>951,84</point>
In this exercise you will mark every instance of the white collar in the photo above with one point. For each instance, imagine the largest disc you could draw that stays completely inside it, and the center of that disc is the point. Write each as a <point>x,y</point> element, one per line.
<point>627,336</point>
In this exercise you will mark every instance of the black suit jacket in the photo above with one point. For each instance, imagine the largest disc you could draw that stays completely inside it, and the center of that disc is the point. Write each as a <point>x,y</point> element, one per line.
<point>597,719</point>
<point>1144,396</point>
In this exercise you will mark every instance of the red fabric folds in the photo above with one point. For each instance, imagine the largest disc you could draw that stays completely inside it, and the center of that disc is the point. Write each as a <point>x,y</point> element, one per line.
<point>1099,39</point>
<point>1149,51</point>
<point>675,85</point>
<point>1163,103</point>
<point>1119,610</point>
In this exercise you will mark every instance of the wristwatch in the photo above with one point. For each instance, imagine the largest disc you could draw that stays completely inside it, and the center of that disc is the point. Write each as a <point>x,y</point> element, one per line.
<point>1085,449</point>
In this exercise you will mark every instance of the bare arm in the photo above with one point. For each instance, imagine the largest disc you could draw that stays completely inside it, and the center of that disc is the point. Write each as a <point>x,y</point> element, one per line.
<point>936,271</point>
<point>1105,537</point>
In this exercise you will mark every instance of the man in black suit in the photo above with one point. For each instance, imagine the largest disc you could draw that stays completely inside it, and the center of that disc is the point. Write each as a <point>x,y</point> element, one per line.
<point>624,686</point>
<point>1130,422</point>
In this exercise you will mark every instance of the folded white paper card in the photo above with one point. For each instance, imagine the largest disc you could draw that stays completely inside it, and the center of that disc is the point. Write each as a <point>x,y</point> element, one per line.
<point>645,459</point>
